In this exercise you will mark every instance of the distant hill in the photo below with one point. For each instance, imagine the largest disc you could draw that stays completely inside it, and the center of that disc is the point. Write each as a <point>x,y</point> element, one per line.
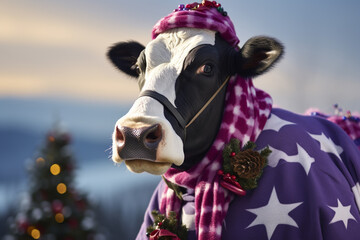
<point>19,145</point>
<point>24,123</point>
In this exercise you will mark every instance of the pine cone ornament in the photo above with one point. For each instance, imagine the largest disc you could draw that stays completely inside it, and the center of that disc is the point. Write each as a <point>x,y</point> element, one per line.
<point>242,167</point>
<point>248,164</point>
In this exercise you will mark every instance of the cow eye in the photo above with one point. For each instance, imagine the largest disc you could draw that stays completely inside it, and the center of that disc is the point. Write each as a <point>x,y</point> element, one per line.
<point>136,68</point>
<point>205,69</point>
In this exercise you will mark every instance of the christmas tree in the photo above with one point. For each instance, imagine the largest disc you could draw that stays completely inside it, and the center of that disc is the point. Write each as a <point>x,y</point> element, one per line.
<point>53,208</point>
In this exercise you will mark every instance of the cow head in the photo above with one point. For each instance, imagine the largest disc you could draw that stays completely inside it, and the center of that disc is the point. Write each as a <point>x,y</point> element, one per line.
<point>178,72</point>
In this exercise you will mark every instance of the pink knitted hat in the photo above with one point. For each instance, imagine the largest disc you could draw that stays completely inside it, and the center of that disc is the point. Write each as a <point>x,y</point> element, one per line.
<point>206,15</point>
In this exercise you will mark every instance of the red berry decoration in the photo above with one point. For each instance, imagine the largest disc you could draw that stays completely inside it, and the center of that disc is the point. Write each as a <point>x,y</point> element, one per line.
<point>204,5</point>
<point>229,182</point>
<point>233,188</point>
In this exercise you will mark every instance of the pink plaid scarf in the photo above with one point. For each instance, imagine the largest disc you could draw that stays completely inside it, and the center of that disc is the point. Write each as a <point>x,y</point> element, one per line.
<point>246,112</point>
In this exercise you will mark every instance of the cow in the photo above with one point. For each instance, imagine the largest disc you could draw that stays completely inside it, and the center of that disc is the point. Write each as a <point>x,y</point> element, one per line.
<point>196,95</point>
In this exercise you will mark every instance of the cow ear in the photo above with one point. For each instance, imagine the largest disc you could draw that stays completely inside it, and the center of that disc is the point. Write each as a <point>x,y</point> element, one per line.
<point>124,56</point>
<point>257,56</point>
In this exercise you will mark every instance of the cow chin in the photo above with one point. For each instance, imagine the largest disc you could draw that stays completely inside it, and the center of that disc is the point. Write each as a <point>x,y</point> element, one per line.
<point>157,167</point>
<point>139,166</point>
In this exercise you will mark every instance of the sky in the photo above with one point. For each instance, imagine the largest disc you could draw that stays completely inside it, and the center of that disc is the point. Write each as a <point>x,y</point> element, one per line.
<point>56,49</point>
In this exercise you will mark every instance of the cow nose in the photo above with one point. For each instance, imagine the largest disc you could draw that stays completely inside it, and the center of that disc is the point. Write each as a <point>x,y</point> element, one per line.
<point>138,143</point>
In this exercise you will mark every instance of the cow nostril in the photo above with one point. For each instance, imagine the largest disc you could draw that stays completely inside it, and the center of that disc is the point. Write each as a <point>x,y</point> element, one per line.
<point>119,137</point>
<point>153,136</point>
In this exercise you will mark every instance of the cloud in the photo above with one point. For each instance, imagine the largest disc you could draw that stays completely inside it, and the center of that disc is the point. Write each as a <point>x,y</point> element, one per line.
<point>63,29</point>
<point>59,55</point>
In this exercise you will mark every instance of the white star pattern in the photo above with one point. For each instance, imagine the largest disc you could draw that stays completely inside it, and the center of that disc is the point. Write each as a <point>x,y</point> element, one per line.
<point>275,123</point>
<point>327,145</point>
<point>302,157</point>
<point>342,214</point>
<point>356,191</point>
<point>273,214</point>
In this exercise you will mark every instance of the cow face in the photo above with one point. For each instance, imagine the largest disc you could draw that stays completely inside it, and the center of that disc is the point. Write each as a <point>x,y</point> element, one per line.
<point>178,73</point>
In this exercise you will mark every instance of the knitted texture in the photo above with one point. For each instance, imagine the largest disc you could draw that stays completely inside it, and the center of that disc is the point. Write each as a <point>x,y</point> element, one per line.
<point>246,112</point>
<point>203,18</point>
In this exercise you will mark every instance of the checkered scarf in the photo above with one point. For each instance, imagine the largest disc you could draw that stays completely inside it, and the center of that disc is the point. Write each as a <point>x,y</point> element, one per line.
<point>245,114</point>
